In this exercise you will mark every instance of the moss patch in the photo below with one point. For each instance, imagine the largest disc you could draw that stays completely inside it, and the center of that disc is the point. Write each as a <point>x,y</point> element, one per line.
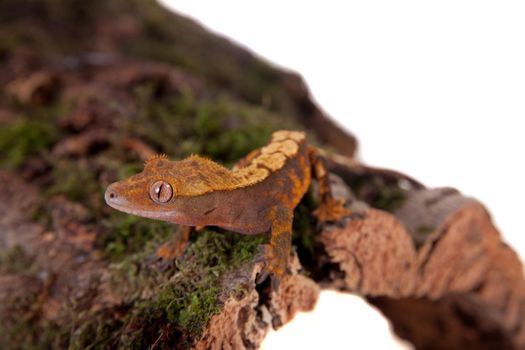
<point>31,135</point>
<point>192,297</point>
<point>76,178</point>
<point>182,298</point>
<point>388,198</point>
<point>377,190</point>
<point>127,234</point>
<point>221,128</point>
<point>23,139</point>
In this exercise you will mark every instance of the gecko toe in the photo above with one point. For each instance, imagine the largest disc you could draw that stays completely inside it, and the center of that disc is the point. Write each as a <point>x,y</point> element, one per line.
<point>158,263</point>
<point>274,266</point>
<point>332,210</point>
<point>261,276</point>
<point>262,258</point>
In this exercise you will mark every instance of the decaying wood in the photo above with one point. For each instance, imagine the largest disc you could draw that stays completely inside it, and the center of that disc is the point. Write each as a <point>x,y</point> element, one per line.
<point>244,322</point>
<point>462,288</point>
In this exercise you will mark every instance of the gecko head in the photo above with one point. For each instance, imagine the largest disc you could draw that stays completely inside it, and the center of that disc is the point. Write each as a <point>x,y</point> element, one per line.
<point>151,193</point>
<point>170,191</point>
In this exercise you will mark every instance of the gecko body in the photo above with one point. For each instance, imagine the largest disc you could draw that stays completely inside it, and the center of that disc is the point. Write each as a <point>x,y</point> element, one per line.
<point>258,195</point>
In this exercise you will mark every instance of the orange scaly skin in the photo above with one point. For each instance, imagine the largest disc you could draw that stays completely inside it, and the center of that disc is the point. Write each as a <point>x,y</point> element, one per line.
<point>258,195</point>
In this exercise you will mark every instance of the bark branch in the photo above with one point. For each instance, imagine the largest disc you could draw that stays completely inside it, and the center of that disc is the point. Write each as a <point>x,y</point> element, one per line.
<point>462,288</point>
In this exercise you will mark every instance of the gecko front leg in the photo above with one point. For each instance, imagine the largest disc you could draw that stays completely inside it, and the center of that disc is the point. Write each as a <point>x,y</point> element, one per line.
<point>276,254</point>
<point>176,246</point>
<point>330,208</point>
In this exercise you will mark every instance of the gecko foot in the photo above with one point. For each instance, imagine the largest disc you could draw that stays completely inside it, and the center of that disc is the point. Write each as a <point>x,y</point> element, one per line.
<point>264,275</point>
<point>176,246</point>
<point>274,265</point>
<point>166,254</point>
<point>331,209</point>
<point>171,249</point>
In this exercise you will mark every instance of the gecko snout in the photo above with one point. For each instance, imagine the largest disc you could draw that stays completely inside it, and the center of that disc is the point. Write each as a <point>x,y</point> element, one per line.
<point>111,196</point>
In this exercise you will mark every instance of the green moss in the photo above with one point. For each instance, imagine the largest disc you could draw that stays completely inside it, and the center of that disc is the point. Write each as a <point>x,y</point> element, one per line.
<point>213,254</point>
<point>245,247</point>
<point>28,137</point>
<point>188,310</point>
<point>198,310</point>
<point>77,179</point>
<point>220,128</point>
<point>128,234</point>
<point>23,139</point>
<point>182,298</point>
<point>388,198</point>
<point>376,189</point>
<point>101,334</point>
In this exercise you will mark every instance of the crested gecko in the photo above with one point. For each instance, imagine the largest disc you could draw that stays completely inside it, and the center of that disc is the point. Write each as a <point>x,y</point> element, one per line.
<point>257,195</point>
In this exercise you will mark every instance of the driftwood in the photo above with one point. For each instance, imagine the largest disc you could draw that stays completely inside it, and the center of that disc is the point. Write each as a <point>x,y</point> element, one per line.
<point>437,268</point>
<point>73,273</point>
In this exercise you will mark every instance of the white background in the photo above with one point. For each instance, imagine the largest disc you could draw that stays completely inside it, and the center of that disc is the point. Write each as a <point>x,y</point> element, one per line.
<point>433,89</point>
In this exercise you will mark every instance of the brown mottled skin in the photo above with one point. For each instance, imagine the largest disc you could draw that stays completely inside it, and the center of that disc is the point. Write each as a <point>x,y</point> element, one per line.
<point>258,195</point>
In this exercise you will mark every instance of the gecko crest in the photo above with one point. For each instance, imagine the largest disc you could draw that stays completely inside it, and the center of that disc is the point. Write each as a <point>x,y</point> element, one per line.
<point>201,175</point>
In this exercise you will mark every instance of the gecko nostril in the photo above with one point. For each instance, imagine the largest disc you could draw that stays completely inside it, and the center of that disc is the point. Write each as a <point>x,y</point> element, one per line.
<point>112,197</point>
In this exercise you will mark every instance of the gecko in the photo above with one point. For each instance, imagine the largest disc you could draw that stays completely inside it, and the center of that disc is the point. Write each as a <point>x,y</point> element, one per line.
<point>258,195</point>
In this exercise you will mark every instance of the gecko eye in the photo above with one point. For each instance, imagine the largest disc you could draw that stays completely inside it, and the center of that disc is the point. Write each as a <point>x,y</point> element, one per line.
<point>160,192</point>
